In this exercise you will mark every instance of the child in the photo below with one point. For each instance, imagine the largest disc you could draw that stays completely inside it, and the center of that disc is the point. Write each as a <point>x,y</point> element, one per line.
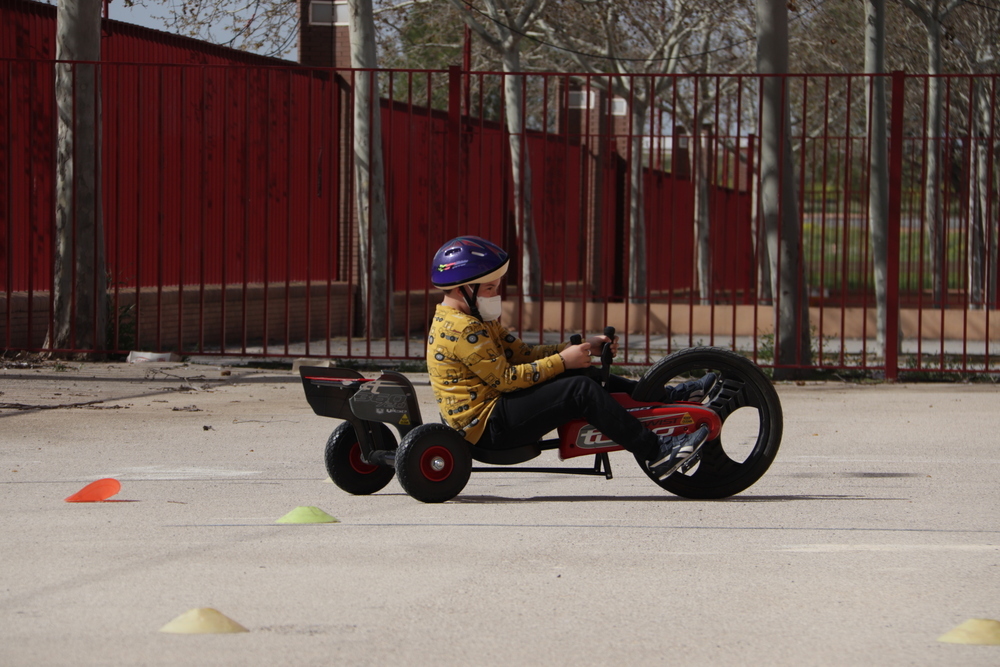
<point>499,392</point>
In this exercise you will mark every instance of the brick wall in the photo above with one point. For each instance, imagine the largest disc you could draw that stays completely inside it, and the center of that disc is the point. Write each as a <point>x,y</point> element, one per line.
<point>171,320</point>
<point>323,45</point>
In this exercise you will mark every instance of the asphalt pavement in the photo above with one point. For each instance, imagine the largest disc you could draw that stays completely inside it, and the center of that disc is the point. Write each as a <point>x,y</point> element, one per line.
<point>876,531</point>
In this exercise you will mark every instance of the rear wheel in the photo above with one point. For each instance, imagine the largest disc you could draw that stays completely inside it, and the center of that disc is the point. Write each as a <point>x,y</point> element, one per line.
<point>346,467</point>
<point>433,463</point>
<point>748,407</point>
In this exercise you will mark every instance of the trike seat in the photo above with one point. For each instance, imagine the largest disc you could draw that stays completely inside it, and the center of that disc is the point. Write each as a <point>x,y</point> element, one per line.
<point>502,457</point>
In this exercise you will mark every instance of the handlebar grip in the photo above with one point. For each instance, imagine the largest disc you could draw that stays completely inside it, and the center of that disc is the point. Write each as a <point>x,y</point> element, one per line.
<point>606,356</point>
<point>606,349</point>
<point>575,339</point>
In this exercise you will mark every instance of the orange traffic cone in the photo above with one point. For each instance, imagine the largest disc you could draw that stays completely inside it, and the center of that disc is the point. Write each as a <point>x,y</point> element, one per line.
<point>97,491</point>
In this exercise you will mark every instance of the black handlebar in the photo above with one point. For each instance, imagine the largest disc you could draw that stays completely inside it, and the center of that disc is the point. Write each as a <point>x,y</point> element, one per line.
<point>606,355</point>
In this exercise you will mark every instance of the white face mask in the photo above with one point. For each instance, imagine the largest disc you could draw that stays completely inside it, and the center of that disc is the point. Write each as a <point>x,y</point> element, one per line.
<point>489,307</point>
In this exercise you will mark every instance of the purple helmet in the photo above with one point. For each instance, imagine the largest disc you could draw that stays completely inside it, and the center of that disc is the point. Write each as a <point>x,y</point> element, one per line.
<point>467,260</point>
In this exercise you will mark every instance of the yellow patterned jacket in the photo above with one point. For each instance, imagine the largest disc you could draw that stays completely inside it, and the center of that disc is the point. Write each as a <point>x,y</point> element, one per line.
<point>471,363</point>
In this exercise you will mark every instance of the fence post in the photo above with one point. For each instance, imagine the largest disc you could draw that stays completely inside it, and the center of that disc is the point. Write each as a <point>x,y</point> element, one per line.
<point>453,149</point>
<point>892,338</point>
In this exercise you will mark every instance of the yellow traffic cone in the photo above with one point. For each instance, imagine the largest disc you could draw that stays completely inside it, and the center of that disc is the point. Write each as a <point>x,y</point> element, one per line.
<point>203,620</point>
<point>981,631</point>
<point>307,515</point>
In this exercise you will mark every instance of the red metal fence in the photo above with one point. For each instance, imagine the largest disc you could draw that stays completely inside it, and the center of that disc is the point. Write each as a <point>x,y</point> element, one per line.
<point>230,228</point>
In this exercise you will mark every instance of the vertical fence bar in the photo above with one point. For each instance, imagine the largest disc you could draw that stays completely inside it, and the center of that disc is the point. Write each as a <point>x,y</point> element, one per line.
<point>74,220</point>
<point>588,201</point>
<point>526,215</point>
<point>756,241</point>
<point>845,247</point>
<point>98,282</point>
<point>944,168</point>
<point>825,157</point>
<point>138,203</point>
<point>867,256</point>
<point>561,113</point>
<point>428,198</point>
<point>638,263</point>
<point>115,265</point>
<point>696,174</point>
<point>159,214</point>
<point>308,173</point>
<point>32,215</point>
<point>394,258</point>
<point>348,205</point>
<point>896,134</point>
<point>539,210</point>
<point>676,140</point>
<point>453,147</point>
<point>289,209</point>
<point>969,153</point>
<point>413,257</point>
<point>247,189</point>
<point>715,201</point>
<point>181,218</point>
<point>923,229</point>
<point>654,183</point>
<point>203,187</point>
<point>784,122</point>
<point>333,223</point>
<point>990,266</point>
<point>268,122</point>
<point>612,199</point>
<point>7,151</point>
<point>224,197</point>
<point>801,277</point>
<point>51,225</point>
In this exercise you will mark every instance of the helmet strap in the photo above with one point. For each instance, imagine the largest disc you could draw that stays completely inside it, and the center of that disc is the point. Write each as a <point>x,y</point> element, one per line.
<point>470,300</point>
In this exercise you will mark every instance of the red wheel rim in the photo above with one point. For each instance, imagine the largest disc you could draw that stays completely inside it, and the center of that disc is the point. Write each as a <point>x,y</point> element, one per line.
<point>436,463</point>
<point>357,463</point>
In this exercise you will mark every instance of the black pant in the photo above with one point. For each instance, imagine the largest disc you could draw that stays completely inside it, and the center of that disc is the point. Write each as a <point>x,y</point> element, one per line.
<point>525,416</point>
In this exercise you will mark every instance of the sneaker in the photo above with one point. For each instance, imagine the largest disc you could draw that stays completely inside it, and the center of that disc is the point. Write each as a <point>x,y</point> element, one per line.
<point>694,391</point>
<point>674,450</point>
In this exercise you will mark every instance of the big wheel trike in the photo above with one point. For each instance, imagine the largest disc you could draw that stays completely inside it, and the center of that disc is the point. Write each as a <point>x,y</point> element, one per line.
<point>433,462</point>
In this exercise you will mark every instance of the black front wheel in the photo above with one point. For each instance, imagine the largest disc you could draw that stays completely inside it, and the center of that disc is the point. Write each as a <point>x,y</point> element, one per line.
<point>346,467</point>
<point>748,406</point>
<point>433,463</point>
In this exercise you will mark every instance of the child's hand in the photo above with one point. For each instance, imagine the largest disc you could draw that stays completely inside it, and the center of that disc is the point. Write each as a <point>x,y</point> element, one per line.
<point>597,344</point>
<point>576,356</point>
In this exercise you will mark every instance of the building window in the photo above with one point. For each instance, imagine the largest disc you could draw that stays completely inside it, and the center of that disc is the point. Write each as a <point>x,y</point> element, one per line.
<point>579,99</point>
<point>328,13</point>
<point>619,106</point>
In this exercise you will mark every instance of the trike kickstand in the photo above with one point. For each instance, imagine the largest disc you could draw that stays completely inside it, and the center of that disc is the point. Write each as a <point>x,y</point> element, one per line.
<point>602,466</point>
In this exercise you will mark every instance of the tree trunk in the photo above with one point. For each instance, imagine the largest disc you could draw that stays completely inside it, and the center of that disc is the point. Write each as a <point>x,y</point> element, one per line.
<point>933,216</point>
<point>79,289</point>
<point>979,194</point>
<point>878,185</point>
<point>778,198</point>
<point>520,164</point>
<point>592,189</point>
<point>638,244</point>
<point>761,257</point>
<point>993,240</point>
<point>702,214</point>
<point>369,179</point>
